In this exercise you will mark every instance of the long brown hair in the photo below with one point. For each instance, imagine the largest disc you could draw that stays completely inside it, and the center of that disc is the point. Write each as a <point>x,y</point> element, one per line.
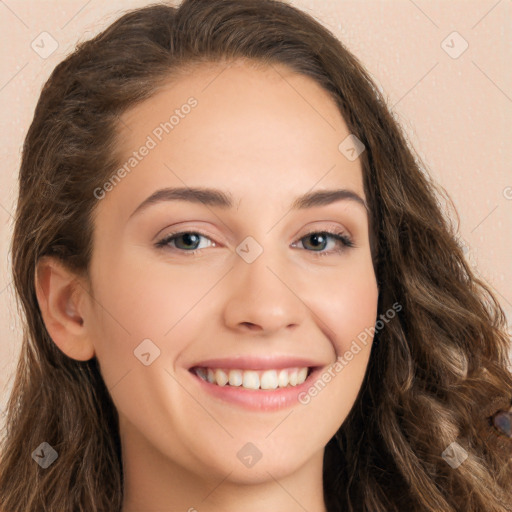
<point>437,371</point>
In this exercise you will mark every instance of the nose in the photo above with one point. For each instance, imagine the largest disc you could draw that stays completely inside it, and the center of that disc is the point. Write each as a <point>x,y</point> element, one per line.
<point>261,296</point>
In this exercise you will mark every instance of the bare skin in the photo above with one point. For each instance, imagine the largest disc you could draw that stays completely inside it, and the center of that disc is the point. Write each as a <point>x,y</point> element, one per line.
<point>265,136</point>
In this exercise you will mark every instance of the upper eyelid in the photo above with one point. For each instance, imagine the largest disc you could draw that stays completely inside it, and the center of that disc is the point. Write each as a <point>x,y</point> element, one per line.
<point>201,232</point>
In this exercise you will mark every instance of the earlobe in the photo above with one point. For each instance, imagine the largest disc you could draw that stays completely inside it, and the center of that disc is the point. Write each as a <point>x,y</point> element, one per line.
<point>61,299</point>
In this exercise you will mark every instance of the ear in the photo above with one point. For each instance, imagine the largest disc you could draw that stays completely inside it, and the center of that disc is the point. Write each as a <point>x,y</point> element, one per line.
<point>62,299</point>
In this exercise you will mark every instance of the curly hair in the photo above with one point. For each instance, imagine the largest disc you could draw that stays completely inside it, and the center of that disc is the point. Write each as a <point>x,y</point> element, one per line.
<point>437,372</point>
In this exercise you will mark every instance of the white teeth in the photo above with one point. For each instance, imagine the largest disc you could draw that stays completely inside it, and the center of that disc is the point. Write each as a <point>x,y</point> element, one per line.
<point>235,378</point>
<point>221,377</point>
<point>283,378</point>
<point>251,380</point>
<point>269,380</point>
<point>254,379</point>
<point>302,375</point>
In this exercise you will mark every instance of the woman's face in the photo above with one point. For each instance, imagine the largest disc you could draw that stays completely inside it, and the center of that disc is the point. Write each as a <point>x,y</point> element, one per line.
<point>260,295</point>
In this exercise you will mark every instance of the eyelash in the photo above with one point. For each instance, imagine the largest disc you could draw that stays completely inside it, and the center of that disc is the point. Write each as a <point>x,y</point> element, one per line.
<point>345,240</point>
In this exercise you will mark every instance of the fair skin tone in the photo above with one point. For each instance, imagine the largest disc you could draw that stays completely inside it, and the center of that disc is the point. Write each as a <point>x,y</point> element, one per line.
<point>265,138</point>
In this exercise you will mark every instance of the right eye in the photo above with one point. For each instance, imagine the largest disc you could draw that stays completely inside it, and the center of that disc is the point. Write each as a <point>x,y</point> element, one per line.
<point>189,237</point>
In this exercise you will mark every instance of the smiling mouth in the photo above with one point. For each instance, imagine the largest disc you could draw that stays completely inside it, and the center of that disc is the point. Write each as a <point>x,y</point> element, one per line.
<point>254,379</point>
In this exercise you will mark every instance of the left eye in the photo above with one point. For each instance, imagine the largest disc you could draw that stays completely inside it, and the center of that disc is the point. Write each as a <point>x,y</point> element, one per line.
<point>191,238</point>
<point>342,240</point>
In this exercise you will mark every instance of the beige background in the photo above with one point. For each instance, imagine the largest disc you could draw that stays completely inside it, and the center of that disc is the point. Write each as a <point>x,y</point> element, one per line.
<point>456,107</point>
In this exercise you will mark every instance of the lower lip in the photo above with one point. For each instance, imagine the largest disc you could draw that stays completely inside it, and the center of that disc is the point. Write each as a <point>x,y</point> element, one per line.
<point>258,399</point>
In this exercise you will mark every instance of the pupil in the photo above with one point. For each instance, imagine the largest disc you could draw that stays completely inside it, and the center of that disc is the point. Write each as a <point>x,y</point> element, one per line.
<point>187,237</point>
<point>316,237</point>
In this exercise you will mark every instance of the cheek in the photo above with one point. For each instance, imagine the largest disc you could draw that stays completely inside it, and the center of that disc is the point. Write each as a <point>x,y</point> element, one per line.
<point>137,301</point>
<point>345,306</point>
<point>346,303</point>
<point>350,313</point>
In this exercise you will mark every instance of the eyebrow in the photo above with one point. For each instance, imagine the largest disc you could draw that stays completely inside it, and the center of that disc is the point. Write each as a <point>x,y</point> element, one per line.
<point>220,199</point>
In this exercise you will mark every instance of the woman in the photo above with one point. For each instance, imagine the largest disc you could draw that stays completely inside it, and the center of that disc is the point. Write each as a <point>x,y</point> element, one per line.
<point>252,371</point>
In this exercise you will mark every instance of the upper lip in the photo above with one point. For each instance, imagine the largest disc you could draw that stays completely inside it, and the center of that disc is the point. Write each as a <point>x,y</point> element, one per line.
<point>257,363</point>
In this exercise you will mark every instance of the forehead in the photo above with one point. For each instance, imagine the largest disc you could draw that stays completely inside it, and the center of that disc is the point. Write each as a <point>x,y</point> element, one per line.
<point>259,129</point>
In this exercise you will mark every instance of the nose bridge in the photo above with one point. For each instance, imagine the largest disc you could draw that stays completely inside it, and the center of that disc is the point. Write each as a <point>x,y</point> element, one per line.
<point>255,261</point>
<point>260,290</point>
